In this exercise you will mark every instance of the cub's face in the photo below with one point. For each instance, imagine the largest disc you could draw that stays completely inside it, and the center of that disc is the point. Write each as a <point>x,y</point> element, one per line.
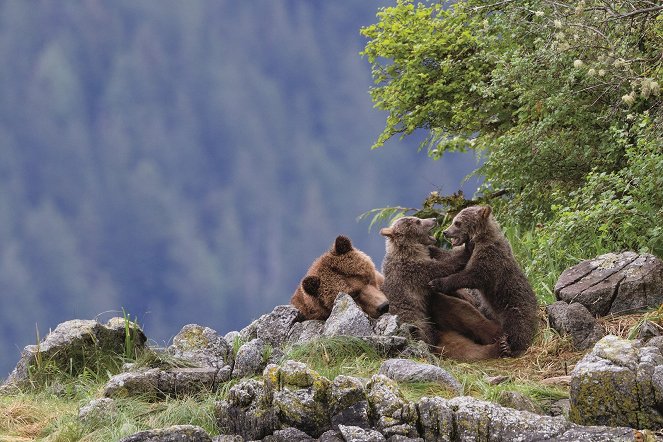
<point>410,230</point>
<point>467,224</point>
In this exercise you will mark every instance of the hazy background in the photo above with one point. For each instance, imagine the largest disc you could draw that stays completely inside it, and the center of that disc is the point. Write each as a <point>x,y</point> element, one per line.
<point>185,161</point>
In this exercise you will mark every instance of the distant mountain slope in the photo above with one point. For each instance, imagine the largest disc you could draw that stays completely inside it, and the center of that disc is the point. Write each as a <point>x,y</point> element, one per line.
<point>184,160</point>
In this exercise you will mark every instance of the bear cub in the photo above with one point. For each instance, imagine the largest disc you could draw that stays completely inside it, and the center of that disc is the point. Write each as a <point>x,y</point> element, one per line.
<point>341,269</point>
<point>452,326</point>
<point>493,270</point>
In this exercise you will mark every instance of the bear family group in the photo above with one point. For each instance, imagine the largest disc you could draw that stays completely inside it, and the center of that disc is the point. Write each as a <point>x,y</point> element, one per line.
<point>469,303</point>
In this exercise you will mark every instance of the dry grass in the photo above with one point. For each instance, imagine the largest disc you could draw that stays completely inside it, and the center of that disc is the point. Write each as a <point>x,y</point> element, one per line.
<point>27,417</point>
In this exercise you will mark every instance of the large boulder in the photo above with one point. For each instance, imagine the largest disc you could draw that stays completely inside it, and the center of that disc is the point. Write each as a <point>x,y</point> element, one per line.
<point>618,383</point>
<point>274,327</point>
<point>75,345</point>
<point>613,283</point>
<point>347,319</point>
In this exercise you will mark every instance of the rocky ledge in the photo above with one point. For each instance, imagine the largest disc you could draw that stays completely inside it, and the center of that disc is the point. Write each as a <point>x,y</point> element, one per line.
<point>616,390</point>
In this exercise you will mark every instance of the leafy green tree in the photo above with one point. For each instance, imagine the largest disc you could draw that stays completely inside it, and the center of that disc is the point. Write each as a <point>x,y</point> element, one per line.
<point>563,99</point>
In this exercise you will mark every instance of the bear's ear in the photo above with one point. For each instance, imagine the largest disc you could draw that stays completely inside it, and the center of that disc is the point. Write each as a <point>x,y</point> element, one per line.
<point>485,211</point>
<point>387,231</point>
<point>342,245</point>
<point>311,285</point>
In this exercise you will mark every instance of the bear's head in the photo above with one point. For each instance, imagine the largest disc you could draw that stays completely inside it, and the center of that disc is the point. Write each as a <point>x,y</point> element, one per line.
<point>346,269</point>
<point>470,222</point>
<point>410,230</point>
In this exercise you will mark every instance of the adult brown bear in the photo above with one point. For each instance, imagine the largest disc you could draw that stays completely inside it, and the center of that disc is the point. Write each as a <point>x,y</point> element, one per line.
<point>341,269</point>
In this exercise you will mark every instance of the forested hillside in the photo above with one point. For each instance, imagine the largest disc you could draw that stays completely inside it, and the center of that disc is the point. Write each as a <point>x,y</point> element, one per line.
<point>184,161</point>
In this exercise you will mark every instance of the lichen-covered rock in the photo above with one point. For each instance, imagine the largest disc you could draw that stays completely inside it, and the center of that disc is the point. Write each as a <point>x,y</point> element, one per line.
<point>176,433</point>
<point>613,283</point>
<point>407,370</point>
<point>617,383</point>
<point>203,347</point>
<point>518,401</point>
<point>156,383</point>
<point>388,409</point>
<point>289,434</point>
<point>436,419</point>
<point>302,332</point>
<point>274,327</point>
<point>75,344</point>
<point>347,319</point>
<point>251,358</point>
<point>386,325</point>
<point>97,409</point>
<point>349,405</point>
<point>575,320</point>
<point>247,411</point>
<point>300,396</point>
<point>358,434</point>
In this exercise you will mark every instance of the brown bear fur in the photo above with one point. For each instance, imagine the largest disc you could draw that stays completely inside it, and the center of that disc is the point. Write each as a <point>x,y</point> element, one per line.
<point>341,269</point>
<point>450,325</point>
<point>493,270</point>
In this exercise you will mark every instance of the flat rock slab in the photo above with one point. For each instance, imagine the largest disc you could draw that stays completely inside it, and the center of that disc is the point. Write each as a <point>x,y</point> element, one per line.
<point>407,370</point>
<point>613,283</point>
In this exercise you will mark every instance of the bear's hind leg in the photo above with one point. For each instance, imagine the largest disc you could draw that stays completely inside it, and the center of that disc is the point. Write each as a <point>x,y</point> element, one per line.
<point>453,345</point>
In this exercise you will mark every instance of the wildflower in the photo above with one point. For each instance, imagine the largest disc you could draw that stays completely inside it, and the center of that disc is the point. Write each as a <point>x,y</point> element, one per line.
<point>601,72</point>
<point>629,99</point>
<point>591,72</point>
<point>655,88</point>
<point>577,64</point>
<point>539,13</point>
<point>558,24</point>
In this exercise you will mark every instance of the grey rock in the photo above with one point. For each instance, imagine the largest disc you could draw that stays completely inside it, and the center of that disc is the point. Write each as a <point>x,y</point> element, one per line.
<point>518,401</point>
<point>300,396</point>
<point>249,332</point>
<point>347,319</point>
<point>613,283</point>
<point>289,434</point>
<point>386,325</point>
<point>349,405</point>
<point>616,385</point>
<point>231,337</point>
<point>97,409</point>
<point>306,331</point>
<point>560,407</point>
<point>247,411</point>
<point>331,436</point>
<point>575,320</point>
<point>176,433</point>
<point>357,434</point>
<point>73,345</point>
<point>140,383</point>
<point>388,408</point>
<point>203,347</point>
<point>400,438</point>
<point>649,330</point>
<point>406,370</point>
<point>274,327</point>
<point>156,383</point>
<point>228,438</point>
<point>250,359</point>
<point>436,419</point>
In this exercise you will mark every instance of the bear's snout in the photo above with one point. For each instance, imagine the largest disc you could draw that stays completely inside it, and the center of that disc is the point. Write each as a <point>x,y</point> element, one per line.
<point>383,308</point>
<point>445,233</point>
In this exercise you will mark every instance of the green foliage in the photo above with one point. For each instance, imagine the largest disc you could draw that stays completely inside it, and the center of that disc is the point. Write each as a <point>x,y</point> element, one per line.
<point>562,99</point>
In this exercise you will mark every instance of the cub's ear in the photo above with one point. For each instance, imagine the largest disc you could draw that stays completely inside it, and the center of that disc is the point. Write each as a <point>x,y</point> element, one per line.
<point>311,286</point>
<point>342,245</point>
<point>387,231</point>
<point>485,211</point>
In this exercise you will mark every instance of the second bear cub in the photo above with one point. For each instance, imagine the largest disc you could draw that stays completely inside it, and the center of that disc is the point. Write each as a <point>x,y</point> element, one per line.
<point>493,270</point>
<point>450,325</point>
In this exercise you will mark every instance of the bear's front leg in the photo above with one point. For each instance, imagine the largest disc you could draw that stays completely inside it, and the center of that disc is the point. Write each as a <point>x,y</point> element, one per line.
<point>441,285</point>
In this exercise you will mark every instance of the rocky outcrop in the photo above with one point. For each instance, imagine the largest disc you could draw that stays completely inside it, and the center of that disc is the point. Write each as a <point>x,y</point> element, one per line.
<point>619,382</point>
<point>176,433</point>
<point>613,283</point>
<point>407,370</point>
<point>72,345</point>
